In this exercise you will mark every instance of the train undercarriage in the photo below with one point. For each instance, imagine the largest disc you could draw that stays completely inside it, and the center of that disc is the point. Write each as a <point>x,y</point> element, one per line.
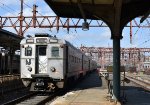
<point>43,83</point>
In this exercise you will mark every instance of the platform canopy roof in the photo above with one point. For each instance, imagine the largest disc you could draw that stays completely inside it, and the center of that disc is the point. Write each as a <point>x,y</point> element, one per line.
<point>100,9</point>
<point>9,39</point>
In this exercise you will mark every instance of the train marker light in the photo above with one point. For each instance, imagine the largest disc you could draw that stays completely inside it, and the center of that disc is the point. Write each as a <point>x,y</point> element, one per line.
<point>29,69</point>
<point>41,40</point>
<point>53,69</point>
<point>53,40</point>
<point>30,40</point>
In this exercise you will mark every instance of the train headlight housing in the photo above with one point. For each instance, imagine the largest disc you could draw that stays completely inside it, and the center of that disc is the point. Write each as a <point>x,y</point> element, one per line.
<point>41,40</point>
<point>29,69</point>
<point>30,41</point>
<point>53,40</point>
<point>53,69</point>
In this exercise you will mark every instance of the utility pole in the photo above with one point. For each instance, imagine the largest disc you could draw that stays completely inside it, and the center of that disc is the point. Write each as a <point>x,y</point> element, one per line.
<point>21,18</point>
<point>34,16</point>
<point>130,32</point>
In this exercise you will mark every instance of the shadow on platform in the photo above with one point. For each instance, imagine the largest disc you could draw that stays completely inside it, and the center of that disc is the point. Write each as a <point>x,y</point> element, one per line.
<point>136,96</point>
<point>92,80</point>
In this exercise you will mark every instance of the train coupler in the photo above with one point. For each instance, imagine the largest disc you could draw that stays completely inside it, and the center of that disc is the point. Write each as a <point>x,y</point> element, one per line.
<point>40,84</point>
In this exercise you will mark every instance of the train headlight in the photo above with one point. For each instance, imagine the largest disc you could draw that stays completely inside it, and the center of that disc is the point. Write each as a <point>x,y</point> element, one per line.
<point>53,40</point>
<point>29,69</point>
<point>41,40</point>
<point>53,69</point>
<point>30,40</point>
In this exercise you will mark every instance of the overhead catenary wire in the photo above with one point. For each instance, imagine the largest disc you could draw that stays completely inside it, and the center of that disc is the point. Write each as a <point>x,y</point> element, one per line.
<point>137,29</point>
<point>139,26</point>
<point>76,35</point>
<point>65,31</point>
<point>11,9</point>
<point>141,32</point>
<point>144,42</point>
<point>31,7</point>
<point>7,10</point>
<point>8,7</point>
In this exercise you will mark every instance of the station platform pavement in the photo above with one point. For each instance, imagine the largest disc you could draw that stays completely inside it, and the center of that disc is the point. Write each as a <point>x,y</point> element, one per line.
<point>92,90</point>
<point>136,95</point>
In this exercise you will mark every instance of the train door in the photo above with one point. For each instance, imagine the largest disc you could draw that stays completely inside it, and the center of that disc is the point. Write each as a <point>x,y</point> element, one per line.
<point>89,65</point>
<point>41,59</point>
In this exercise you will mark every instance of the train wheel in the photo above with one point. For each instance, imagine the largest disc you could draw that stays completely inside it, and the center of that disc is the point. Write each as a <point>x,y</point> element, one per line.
<point>66,83</point>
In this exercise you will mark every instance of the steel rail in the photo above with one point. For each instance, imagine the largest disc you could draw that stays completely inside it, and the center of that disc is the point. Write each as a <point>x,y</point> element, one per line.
<point>15,101</point>
<point>141,83</point>
<point>33,99</point>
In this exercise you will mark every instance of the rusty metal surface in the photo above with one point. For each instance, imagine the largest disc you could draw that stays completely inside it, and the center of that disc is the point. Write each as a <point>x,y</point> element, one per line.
<point>53,22</point>
<point>134,59</point>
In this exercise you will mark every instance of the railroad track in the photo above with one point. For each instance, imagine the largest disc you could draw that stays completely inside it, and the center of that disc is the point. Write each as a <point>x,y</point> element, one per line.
<point>145,78</point>
<point>33,99</point>
<point>141,83</point>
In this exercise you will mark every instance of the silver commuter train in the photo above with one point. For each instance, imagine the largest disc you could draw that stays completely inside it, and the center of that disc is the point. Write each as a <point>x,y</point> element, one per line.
<point>48,63</point>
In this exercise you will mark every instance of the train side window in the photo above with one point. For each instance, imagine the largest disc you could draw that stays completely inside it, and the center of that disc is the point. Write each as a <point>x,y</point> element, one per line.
<point>71,58</point>
<point>55,51</point>
<point>28,51</point>
<point>74,59</point>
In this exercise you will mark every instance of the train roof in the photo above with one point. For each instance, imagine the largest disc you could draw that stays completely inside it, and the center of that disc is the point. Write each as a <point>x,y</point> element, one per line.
<point>61,41</point>
<point>9,39</point>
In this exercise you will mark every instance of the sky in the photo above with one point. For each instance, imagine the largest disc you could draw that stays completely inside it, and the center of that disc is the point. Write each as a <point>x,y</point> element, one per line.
<point>94,37</point>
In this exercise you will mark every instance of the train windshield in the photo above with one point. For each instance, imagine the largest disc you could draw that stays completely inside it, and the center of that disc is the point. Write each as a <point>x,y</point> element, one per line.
<point>55,51</point>
<point>42,51</point>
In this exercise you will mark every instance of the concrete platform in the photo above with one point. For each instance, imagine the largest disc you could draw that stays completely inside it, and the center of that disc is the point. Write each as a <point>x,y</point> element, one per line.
<point>90,91</point>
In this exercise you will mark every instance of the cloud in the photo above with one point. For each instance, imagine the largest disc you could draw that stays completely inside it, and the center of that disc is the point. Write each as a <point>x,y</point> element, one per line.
<point>106,34</point>
<point>69,37</point>
<point>46,11</point>
<point>42,10</point>
<point>10,30</point>
<point>94,37</point>
<point>10,2</point>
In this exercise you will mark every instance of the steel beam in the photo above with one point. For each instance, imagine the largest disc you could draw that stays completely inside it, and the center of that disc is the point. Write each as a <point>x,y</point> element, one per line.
<point>53,22</point>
